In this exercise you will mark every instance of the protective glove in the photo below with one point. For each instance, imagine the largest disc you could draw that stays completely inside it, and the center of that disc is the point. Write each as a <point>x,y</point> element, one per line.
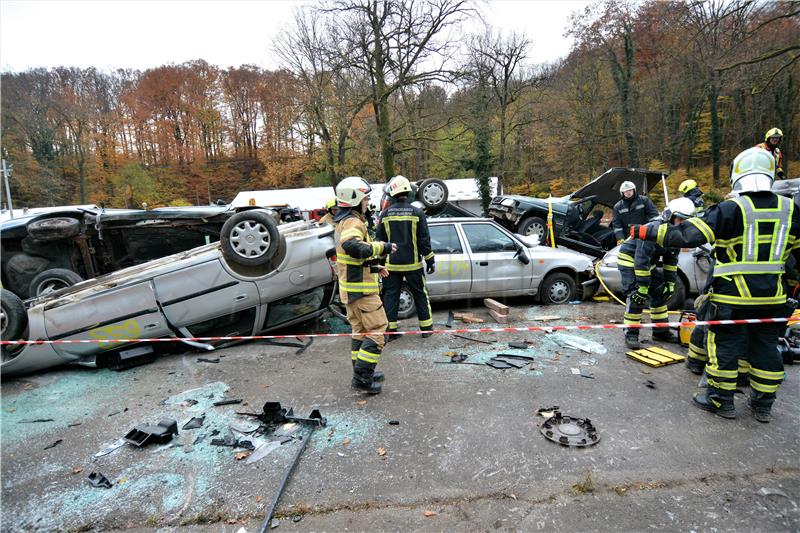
<point>669,289</point>
<point>641,295</point>
<point>620,241</point>
<point>431,268</point>
<point>388,247</point>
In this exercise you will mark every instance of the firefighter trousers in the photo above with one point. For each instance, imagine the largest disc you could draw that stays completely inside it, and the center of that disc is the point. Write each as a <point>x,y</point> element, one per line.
<point>698,353</point>
<point>392,285</point>
<point>366,315</point>
<point>756,343</point>
<point>633,310</point>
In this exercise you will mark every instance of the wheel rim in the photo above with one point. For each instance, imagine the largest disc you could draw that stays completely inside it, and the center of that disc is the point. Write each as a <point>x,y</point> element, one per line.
<point>433,193</point>
<point>250,239</point>
<point>50,285</point>
<point>559,292</point>
<point>535,229</point>
<point>3,322</point>
<point>406,302</point>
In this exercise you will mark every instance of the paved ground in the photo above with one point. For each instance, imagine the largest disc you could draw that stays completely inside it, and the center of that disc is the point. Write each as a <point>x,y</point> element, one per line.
<point>467,450</point>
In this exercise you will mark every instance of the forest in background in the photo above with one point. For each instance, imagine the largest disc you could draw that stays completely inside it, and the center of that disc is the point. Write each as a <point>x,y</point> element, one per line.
<point>397,87</point>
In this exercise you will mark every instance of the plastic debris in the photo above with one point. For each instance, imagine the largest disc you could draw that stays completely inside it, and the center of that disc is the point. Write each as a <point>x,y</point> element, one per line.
<point>769,491</point>
<point>205,360</point>
<point>227,402</point>
<point>578,343</point>
<point>56,443</point>
<point>262,451</point>
<point>35,420</point>
<point>112,447</point>
<point>99,480</point>
<point>195,422</point>
<point>161,433</point>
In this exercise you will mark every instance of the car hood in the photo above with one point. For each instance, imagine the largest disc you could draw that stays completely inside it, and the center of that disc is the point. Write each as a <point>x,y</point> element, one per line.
<point>605,188</point>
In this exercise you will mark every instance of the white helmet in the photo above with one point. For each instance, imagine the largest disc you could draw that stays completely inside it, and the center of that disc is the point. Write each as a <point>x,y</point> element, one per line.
<point>627,186</point>
<point>399,185</point>
<point>753,170</point>
<point>350,191</point>
<point>681,208</point>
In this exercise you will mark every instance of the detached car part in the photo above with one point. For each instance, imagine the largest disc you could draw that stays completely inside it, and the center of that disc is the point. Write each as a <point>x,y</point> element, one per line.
<point>160,433</point>
<point>569,431</point>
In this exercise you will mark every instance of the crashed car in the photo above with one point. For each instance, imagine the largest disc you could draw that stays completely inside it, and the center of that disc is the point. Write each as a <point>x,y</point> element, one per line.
<point>49,251</point>
<point>576,217</point>
<point>694,265</point>
<point>477,258</point>
<point>259,277</point>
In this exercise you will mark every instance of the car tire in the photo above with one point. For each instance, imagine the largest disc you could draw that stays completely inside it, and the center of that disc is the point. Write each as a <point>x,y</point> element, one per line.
<point>558,288</point>
<point>677,300</point>
<point>14,318</point>
<point>406,307</point>
<point>250,238</point>
<point>52,280</point>
<point>533,226</point>
<point>53,229</point>
<point>433,193</point>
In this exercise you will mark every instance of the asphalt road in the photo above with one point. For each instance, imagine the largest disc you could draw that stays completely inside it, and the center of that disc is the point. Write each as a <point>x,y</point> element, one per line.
<point>466,453</point>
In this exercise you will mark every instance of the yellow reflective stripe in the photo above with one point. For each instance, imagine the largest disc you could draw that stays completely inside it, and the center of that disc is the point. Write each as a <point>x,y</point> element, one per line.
<point>426,323</point>
<point>642,273</point>
<point>408,218</point>
<point>659,309</point>
<point>741,285</point>
<point>671,268</point>
<point>662,232</point>
<point>376,248</point>
<point>625,256</point>
<point>427,299</point>
<point>350,233</point>
<point>622,262</point>
<point>403,268</point>
<point>760,387</point>
<point>748,267</point>
<point>369,357</point>
<point>392,325</point>
<point>349,260</point>
<point>430,255</point>
<point>724,385</point>
<point>724,374</point>
<point>712,349</point>
<point>766,374</point>
<point>753,300</point>
<point>704,228</point>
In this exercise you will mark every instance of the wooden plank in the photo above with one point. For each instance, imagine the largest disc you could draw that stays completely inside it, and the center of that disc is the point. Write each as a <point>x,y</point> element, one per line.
<point>645,360</point>
<point>496,306</point>
<point>498,317</point>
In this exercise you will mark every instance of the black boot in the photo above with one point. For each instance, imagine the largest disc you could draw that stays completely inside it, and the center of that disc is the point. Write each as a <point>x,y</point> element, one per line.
<point>390,338</point>
<point>377,375</point>
<point>426,334</point>
<point>760,404</point>
<point>712,401</point>
<point>363,373</point>
<point>632,339</point>
<point>695,365</point>
<point>664,335</point>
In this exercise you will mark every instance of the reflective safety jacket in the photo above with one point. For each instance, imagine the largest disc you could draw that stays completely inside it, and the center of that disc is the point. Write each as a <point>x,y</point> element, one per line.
<point>776,153</point>
<point>406,226</point>
<point>637,210</point>
<point>644,256</point>
<point>753,237</point>
<point>327,219</point>
<point>356,257</point>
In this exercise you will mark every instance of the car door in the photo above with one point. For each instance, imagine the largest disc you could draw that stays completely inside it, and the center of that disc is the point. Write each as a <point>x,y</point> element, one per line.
<point>493,255</point>
<point>453,269</point>
<point>206,300</point>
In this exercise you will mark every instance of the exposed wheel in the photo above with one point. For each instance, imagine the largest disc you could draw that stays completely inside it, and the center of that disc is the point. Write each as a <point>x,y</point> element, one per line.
<point>13,317</point>
<point>53,229</point>
<point>406,308</point>
<point>433,193</point>
<point>250,238</point>
<point>677,300</point>
<point>53,280</point>
<point>558,288</point>
<point>533,226</point>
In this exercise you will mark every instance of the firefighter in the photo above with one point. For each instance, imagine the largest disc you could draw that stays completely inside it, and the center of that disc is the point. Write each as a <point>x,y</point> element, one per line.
<point>357,262</point>
<point>754,235</point>
<point>689,189</point>
<point>644,282</point>
<point>631,209</point>
<point>406,226</point>
<point>772,141</point>
<point>330,212</point>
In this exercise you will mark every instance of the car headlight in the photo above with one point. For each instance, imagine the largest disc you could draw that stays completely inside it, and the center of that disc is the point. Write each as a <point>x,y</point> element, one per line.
<point>508,202</point>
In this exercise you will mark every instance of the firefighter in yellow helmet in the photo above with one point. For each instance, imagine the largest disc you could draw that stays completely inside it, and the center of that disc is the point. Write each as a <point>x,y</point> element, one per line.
<point>358,262</point>
<point>772,141</point>
<point>689,189</point>
<point>754,234</point>
<point>330,212</point>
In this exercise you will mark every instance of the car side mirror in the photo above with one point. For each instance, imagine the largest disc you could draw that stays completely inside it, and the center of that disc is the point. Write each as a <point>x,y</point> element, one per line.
<point>521,256</point>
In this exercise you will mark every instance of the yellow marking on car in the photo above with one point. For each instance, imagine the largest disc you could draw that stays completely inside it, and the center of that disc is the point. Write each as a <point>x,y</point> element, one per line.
<point>116,332</point>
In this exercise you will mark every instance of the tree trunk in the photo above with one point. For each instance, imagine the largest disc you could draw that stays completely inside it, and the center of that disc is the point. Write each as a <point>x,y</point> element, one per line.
<point>713,95</point>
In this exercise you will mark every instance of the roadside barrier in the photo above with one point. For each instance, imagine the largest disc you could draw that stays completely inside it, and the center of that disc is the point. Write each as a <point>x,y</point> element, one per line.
<point>547,329</point>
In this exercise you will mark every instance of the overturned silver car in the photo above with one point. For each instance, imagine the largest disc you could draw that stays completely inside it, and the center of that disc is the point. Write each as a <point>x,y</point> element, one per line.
<point>260,276</point>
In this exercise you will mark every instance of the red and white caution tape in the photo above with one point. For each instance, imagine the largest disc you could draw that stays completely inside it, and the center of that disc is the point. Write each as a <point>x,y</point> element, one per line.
<point>582,327</point>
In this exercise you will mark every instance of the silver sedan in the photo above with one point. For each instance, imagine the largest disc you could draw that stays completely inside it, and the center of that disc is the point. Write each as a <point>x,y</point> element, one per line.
<point>258,277</point>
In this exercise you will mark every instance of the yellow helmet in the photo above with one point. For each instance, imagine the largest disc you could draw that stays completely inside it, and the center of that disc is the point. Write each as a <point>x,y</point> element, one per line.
<point>399,185</point>
<point>330,204</point>
<point>686,186</point>
<point>774,132</point>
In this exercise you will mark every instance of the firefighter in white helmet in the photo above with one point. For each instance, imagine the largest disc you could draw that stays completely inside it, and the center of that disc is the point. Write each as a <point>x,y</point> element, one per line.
<point>358,261</point>
<point>754,235</point>
<point>631,209</point>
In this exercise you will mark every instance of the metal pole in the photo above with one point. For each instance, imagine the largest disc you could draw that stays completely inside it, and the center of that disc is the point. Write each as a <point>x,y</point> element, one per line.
<point>6,171</point>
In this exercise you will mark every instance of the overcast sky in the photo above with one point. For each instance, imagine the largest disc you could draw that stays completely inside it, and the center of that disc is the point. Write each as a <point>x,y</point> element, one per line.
<point>143,34</point>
